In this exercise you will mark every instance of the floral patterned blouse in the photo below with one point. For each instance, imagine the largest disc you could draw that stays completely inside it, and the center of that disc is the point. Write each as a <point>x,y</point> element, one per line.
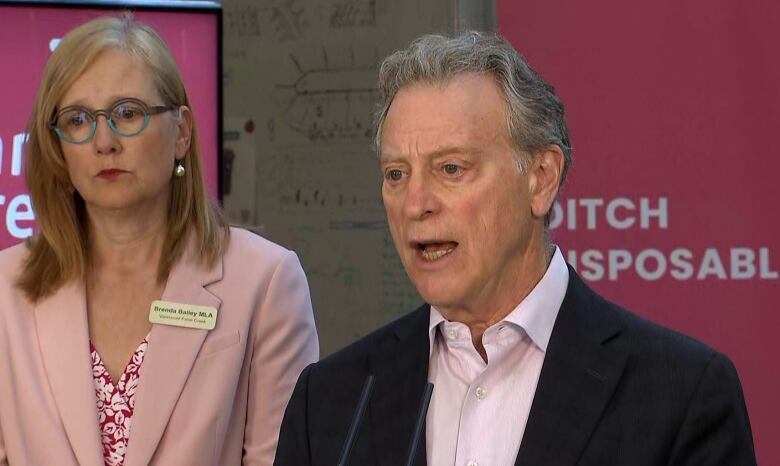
<point>115,403</point>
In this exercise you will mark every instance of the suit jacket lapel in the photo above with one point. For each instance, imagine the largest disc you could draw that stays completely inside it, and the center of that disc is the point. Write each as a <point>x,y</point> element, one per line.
<point>401,369</point>
<point>63,335</point>
<point>169,358</point>
<point>579,375</point>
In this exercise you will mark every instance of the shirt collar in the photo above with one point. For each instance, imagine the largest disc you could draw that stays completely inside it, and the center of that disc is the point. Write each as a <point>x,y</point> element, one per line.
<point>435,319</point>
<point>536,313</point>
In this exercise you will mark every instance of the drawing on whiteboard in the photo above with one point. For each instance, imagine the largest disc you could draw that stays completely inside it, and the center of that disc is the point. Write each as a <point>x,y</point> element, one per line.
<point>331,102</point>
<point>288,19</point>
<point>297,199</point>
<point>242,20</point>
<point>285,19</point>
<point>353,13</point>
<point>306,176</point>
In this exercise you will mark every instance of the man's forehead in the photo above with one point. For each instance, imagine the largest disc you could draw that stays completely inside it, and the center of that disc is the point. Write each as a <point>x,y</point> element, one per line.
<point>465,115</point>
<point>464,102</point>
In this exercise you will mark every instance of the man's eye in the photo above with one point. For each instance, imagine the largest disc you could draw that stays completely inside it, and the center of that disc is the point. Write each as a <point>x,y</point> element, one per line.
<point>451,169</point>
<point>394,174</point>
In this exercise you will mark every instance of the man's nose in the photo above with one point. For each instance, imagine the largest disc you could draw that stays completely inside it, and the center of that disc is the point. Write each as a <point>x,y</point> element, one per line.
<point>421,198</point>
<point>105,140</point>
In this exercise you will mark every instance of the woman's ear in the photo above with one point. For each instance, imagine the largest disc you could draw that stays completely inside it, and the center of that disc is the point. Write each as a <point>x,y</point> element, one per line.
<point>184,133</point>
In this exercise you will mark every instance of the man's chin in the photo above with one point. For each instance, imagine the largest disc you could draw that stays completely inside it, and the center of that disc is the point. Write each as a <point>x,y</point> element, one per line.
<point>440,296</point>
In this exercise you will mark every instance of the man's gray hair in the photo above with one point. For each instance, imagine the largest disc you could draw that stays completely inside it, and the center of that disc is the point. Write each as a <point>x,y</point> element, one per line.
<point>535,113</point>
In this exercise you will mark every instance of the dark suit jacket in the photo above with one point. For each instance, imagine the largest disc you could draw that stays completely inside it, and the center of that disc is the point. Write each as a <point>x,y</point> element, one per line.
<point>614,389</point>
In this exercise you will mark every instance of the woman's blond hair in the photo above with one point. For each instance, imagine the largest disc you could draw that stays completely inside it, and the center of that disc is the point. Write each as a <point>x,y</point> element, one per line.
<point>58,254</point>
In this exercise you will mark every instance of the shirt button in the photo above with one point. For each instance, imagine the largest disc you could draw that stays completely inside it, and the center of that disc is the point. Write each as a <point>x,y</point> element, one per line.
<point>452,333</point>
<point>480,393</point>
<point>472,463</point>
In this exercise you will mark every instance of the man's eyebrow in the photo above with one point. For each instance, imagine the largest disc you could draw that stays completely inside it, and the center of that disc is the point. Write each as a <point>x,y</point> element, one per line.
<point>388,157</point>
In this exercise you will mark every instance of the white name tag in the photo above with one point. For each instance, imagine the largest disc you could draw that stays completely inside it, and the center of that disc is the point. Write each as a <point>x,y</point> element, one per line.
<point>183,315</point>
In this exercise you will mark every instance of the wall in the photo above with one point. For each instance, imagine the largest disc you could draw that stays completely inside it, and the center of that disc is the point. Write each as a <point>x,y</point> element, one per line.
<point>672,108</point>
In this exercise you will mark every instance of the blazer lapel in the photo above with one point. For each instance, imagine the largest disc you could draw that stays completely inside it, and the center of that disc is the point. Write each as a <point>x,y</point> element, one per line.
<point>63,335</point>
<point>579,375</point>
<point>401,369</point>
<point>169,358</point>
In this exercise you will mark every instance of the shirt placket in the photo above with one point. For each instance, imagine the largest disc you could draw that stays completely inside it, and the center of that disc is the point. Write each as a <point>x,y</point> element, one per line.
<point>480,402</point>
<point>472,422</point>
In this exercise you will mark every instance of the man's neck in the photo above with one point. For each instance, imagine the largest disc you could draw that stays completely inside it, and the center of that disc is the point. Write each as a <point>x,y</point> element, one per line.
<point>496,304</point>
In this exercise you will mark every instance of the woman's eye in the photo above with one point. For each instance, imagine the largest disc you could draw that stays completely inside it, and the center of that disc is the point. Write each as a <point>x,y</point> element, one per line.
<point>451,169</point>
<point>77,119</point>
<point>127,112</point>
<point>394,174</point>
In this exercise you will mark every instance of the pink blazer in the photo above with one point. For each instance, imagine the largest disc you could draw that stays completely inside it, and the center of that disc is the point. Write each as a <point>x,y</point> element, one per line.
<point>204,397</point>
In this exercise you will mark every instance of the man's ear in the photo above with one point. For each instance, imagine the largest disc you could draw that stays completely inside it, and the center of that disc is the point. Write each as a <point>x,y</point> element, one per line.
<point>544,177</point>
<point>184,137</point>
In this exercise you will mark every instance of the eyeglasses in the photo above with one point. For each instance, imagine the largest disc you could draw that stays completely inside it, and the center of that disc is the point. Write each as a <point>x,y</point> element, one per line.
<point>126,117</point>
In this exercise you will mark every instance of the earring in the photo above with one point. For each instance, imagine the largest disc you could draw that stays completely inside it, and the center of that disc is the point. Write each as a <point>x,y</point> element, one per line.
<point>179,170</point>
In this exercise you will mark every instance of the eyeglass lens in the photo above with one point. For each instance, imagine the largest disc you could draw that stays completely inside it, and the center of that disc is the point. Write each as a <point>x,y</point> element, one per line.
<point>126,119</point>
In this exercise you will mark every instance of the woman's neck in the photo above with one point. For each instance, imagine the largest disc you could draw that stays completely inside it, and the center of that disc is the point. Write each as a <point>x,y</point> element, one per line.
<point>126,243</point>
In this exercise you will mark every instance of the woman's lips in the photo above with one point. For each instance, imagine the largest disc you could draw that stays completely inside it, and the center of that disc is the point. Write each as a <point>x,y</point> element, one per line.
<point>111,173</point>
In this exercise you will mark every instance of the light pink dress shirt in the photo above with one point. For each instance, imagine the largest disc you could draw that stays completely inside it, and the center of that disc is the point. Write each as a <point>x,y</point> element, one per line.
<point>479,410</point>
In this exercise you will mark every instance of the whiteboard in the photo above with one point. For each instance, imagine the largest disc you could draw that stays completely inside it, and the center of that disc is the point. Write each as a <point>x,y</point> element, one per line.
<point>299,91</point>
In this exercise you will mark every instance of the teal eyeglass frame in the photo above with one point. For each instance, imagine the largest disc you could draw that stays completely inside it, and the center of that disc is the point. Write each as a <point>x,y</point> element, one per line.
<point>148,110</point>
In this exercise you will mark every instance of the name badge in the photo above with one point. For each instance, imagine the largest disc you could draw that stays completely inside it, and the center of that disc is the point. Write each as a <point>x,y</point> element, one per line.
<point>183,315</point>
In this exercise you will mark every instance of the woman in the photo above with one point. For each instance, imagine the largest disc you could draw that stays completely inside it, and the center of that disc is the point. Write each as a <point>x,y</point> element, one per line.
<point>135,263</point>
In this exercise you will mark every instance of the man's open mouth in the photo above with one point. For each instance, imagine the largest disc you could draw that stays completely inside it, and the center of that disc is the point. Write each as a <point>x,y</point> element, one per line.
<point>432,251</point>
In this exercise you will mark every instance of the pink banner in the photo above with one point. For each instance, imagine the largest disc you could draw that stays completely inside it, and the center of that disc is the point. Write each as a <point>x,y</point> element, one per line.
<point>673,108</point>
<point>27,35</point>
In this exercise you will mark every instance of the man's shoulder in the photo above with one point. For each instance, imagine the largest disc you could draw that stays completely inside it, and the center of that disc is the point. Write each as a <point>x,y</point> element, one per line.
<point>354,357</point>
<point>641,337</point>
<point>655,336</point>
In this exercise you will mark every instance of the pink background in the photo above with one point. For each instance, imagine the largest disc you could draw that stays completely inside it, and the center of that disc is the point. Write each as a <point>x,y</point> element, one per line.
<point>681,100</point>
<point>25,33</point>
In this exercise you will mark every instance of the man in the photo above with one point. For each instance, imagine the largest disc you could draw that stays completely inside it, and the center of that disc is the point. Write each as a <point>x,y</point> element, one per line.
<point>530,366</point>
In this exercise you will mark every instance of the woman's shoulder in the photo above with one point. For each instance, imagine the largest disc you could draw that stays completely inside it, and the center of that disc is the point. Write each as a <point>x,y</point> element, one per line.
<point>11,265</point>
<point>247,247</point>
<point>11,260</point>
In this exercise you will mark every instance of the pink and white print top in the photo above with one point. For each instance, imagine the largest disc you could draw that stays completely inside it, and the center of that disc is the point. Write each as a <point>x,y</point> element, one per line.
<point>116,402</point>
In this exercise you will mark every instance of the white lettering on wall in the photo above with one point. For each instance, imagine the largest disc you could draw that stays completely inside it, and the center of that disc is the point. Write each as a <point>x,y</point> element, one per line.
<point>619,260</point>
<point>619,213</point>
<point>661,213</point>
<point>711,265</point>
<point>19,210</point>
<point>612,219</point>
<point>591,263</point>
<point>680,264</point>
<point>16,156</point>
<point>642,268</point>
<point>743,264</point>
<point>590,208</point>
<point>682,268</point>
<point>763,260</point>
